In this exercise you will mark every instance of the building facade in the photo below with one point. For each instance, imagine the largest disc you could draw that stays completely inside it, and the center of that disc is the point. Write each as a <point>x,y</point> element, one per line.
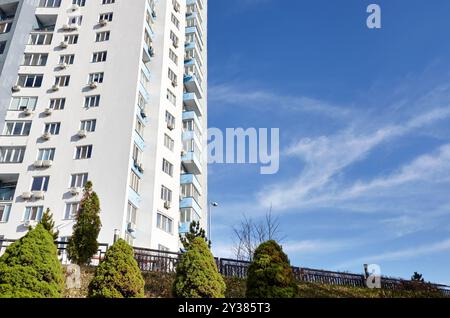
<point>110,91</point>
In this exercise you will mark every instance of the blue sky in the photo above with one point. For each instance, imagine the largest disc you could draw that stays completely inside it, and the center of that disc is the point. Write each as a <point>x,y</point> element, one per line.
<point>364,118</point>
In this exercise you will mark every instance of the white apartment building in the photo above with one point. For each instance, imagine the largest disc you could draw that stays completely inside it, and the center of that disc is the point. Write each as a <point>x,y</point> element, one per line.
<point>110,91</point>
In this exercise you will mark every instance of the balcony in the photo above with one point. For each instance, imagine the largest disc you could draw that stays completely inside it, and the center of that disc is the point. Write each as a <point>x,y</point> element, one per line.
<point>184,227</point>
<point>190,179</point>
<point>192,85</point>
<point>191,103</point>
<point>189,202</point>
<point>191,162</point>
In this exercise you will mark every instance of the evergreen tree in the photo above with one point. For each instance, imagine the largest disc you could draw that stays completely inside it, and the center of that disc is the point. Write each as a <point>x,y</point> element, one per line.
<point>118,275</point>
<point>270,274</point>
<point>83,243</point>
<point>417,277</point>
<point>30,267</point>
<point>197,274</point>
<point>48,224</point>
<point>194,231</point>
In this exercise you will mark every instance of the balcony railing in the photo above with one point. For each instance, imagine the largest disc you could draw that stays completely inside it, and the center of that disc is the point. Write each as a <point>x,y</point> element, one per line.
<point>7,194</point>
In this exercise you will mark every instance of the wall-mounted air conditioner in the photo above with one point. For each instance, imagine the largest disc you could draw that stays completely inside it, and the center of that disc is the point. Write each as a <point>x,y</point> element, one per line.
<point>16,88</point>
<point>47,163</point>
<point>167,205</point>
<point>46,136</point>
<point>103,22</point>
<point>38,164</point>
<point>28,112</point>
<point>26,195</point>
<point>93,85</point>
<point>64,44</point>
<point>75,191</point>
<point>55,88</point>
<point>48,111</point>
<point>82,133</point>
<point>39,195</point>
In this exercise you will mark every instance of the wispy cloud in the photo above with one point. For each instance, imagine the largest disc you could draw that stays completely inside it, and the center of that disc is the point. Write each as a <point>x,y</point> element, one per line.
<point>325,157</point>
<point>400,255</point>
<point>264,100</point>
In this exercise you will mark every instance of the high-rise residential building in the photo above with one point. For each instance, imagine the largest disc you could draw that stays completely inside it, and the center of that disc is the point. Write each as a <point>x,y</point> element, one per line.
<point>110,91</point>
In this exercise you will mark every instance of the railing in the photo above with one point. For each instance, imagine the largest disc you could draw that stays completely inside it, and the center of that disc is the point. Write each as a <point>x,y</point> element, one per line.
<point>166,262</point>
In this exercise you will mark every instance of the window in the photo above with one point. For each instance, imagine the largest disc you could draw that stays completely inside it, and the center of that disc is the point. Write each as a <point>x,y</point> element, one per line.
<point>5,209</point>
<point>83,152</point>
<point>78,180</point>
<point>190,191</point>
<point>2,47</point>
<point>139,127</point>
<point>188,215</point>
<point>92,101</point>
<point>173,77</point>
<point>175,21</point>
<point>88,125</point>
<point>173,56</point>
<point>164,223</point>
<point>62,80</point>
<point>174,39</point>
<point>169,142</point>
<point>46,154</point>
<point>95,77</point>
<point>162,248</point>
<point>131,213</point>
<point>5,27</point>
<point>30,80</point>
<point>40,183</point>
<point>108,1</point>
<point>52,128</point>
<point>75,20</point>
<point>166,194</point>
<point>23,103</point>
<point>170,120</point>
<point>137,154</point>
<point>99,57</point>
<point>50,3</point>
<point>67,59</point>
<point>71,210</point>
<point>40,39</point>
<point>71,39</point>
<point>106,17</point>
<point>171,97</point>
<point>12,154</point>
<point>134,181</point>
<point>57,103</point>
<point>17,128</point>
<point>102,36</point>
<point>33,213</point>
<point>35,59</point>
<point>167,167</point>
<point>81,3</point>
<point>141,101</point>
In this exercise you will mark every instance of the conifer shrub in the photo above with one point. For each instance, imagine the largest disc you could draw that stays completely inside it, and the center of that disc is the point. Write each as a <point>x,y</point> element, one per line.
<point>83,244</point>
<point>270,274</point>
<point>118,275</point>
<point>30,267</point>
<point>197,275</point>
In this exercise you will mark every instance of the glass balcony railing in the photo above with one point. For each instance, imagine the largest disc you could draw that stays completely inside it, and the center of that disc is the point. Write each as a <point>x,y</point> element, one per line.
<point>7,194</point>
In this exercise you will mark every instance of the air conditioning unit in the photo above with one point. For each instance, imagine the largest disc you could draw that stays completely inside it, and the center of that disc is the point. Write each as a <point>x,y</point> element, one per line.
<point>103,22</point>
<point>64,44</point>
<point>66,27</point>
<point>143,113</point>
<point>154,14</point>
<point>171,126</point>
<point>93,85</point>
<point>82,133</point>
<point>62,66</point>
<point>183,153</point>
<point>26,195</point>
<point>55,88</point>
<point>70,27</point>
<point>39,195</point>
<point>28,112</point>
<point>131,227</point>
<point>47,163</point>
<point>140,167</point>
<point>48,111</point>
<point>38,164</point>
<point>74,7</point>
<point>28,223</point>
<point>167,205</point>
<point>16,88</point>
<point>174,83</point>
<point>151,51</point>
<point>74,190</point>
<point>46,136</point>
<point>175,44</point>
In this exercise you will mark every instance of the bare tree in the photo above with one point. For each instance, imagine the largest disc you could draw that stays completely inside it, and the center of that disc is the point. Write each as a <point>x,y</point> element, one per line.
<point>249,234</point>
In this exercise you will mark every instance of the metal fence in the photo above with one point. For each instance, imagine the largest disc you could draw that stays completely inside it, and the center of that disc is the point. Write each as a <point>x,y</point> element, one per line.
<point>163,261</point>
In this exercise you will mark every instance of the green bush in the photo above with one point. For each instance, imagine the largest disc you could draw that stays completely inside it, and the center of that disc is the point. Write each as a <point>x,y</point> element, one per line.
<point>270,274</point>
<point>83,243</point>
<point>118,275</point>
<point>197,275</point>
<point>30,267</point>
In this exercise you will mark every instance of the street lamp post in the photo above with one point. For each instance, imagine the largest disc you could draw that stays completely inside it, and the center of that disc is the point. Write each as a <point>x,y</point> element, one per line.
<point>210,206</point>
